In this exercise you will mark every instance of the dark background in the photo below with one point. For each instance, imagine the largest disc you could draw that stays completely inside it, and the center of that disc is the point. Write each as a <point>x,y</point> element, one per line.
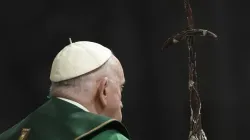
<point>156,94</point>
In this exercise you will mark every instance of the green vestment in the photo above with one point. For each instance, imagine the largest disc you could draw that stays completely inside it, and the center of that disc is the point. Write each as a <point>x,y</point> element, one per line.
<point>60,120</point>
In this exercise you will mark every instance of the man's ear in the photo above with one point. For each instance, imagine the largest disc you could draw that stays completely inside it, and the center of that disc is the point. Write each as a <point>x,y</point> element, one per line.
<point>102,92</point>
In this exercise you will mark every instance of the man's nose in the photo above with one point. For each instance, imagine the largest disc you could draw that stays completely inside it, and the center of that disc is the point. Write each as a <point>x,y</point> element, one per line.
<point>121,105</point>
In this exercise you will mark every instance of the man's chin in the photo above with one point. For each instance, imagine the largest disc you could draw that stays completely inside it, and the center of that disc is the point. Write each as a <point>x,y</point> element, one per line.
<point>119,119</point>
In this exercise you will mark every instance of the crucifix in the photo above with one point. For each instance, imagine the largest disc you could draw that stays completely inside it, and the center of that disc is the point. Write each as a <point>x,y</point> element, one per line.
<point>188,35</point>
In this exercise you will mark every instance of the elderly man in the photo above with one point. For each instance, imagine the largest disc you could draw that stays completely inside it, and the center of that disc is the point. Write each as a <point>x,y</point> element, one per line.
<point>85,103</point>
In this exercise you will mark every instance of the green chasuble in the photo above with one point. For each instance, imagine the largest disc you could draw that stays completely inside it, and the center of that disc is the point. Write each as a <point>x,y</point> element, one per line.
<point>60,120</point>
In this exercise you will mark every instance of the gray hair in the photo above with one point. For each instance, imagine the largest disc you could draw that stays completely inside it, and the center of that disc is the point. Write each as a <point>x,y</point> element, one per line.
<point>84,83</point>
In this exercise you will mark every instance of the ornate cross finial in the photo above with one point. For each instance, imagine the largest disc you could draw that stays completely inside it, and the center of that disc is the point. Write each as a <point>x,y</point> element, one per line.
<point>196,131</point>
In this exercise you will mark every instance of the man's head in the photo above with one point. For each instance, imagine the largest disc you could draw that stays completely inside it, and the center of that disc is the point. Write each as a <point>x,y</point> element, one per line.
<point>98,87</point>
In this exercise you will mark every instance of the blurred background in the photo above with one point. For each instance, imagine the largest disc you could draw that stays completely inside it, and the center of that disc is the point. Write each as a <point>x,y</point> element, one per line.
<point>156,101</point>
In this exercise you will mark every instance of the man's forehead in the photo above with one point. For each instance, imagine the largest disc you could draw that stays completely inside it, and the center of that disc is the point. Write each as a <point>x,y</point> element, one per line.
<point>118,70</point>
<point>120,77</point>
<point>117,81</point>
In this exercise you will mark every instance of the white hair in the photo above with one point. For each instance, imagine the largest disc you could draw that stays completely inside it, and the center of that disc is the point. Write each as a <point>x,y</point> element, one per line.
<point>84,83</point>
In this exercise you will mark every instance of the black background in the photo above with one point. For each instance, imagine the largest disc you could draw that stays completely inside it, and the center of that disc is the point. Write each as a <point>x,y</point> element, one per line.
<point>156,95</point>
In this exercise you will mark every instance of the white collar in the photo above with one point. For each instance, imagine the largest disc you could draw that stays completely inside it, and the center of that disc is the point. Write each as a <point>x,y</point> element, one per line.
<point>74,103</point>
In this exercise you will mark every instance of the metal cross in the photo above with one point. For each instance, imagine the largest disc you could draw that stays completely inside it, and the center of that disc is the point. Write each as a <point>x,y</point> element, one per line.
<point>196,131</point>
